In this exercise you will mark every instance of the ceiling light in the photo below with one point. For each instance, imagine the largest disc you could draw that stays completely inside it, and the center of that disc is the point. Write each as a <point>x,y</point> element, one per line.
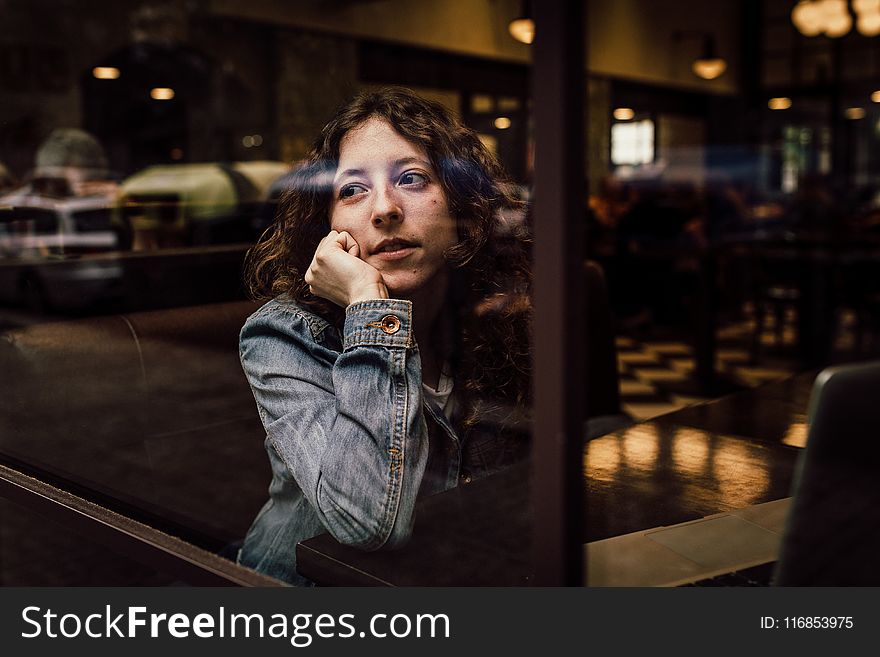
<point>875,97</point>
<point>502,123</point>
<point>808,18</point>
<point>162,93</point>
<point>709,66</point>
<point>866,6</point>
<point>781,103</point>
<point>105,72</point>
<point>854,113</point>
<point>623,113</point>
<point>869,24</point>
<point>709,69</point>
<point>838,25</point>
<point>522,28</point>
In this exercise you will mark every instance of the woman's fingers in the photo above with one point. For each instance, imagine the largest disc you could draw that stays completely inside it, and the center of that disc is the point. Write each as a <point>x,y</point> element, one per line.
<point>338,274</point>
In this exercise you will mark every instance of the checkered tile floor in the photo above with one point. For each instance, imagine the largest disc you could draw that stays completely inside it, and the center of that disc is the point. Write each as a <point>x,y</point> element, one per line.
<point>653,372</point>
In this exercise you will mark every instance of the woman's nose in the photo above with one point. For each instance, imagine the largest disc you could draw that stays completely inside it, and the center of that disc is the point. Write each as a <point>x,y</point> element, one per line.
<point>386,207</point>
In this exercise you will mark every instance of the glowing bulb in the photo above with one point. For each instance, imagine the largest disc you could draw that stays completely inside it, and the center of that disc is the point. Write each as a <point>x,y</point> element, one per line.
<point>162,93</point>
<point>807,18</point>
<point>623,113</point>
<point>875,97</point>
<point>866,6</point>
<point>709,69</point>
<point>522,29</point>
<point>868,24</point>
<point>838,25</point>
<point>779,103</point>
<point>105,72</point>
<point>502,123</point>
<point>854,113</point>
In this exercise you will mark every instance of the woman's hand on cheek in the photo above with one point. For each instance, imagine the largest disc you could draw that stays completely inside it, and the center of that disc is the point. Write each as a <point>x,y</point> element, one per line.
<point>339,275</point>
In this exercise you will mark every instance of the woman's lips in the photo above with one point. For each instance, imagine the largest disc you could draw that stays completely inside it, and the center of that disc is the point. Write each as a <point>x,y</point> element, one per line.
<point>394,249</point>
<point>395,253</point>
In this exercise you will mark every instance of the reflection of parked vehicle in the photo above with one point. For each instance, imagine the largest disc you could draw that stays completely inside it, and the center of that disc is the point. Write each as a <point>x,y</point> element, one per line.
<point>195,204</point>
<point>266,213</point>
<point>44,251</point>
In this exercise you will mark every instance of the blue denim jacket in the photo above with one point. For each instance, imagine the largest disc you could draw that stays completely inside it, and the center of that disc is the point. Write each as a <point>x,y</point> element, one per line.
<point>347,430</point>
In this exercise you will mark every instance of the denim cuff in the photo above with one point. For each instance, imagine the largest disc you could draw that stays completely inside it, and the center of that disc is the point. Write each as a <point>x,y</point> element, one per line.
<point>380,322</point>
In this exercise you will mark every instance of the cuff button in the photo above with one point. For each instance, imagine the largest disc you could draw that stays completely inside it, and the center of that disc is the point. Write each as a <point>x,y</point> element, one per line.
<point>390,324</point>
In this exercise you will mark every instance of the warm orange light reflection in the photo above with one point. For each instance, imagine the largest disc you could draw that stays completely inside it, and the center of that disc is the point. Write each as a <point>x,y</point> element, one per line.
<point>796,436</point>
<point>741,480</point>
<point>854,113</point>
<point>602,459</point>
<point>640,448</point>
<point>690,451</point>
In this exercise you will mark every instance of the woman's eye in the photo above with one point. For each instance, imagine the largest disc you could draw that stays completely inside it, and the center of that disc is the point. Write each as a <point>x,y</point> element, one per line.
<point>348,191</point>
<point>413,178</point>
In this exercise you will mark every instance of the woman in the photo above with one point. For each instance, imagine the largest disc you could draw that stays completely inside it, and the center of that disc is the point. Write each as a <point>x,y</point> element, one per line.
<point>398,327</point>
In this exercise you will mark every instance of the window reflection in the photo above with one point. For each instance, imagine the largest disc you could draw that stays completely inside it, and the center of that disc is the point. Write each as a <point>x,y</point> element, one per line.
<point>145,147</point>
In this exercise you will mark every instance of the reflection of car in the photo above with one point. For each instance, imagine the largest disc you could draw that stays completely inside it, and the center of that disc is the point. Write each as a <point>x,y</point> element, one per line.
<point>264,217</point>
<point>47,247</point>
<point>195,204</point>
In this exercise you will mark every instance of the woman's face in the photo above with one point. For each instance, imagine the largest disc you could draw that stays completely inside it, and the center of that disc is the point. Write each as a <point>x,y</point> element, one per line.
<point>386,195</point>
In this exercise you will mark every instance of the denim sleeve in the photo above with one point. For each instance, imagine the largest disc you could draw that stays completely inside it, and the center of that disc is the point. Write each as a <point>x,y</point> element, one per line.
<point>348,426</point>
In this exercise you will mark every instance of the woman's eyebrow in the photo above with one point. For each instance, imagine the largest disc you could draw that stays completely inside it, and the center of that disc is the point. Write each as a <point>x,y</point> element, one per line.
<point>410,160</point>
<point>349,172</point>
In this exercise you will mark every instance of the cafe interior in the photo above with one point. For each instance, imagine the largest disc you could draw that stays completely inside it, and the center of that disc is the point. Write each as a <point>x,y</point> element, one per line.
<point>700,190</point>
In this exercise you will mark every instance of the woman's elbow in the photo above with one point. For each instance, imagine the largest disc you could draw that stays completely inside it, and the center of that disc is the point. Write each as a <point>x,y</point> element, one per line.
<point>366,527</point>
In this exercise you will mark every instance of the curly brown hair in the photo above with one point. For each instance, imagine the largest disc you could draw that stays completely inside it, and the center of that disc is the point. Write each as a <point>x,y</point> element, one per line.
<point>490,283</point>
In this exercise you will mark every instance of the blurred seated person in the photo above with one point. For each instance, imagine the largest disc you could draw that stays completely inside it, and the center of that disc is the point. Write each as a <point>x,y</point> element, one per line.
<point>393,331</point>
<point>605,209</point>
<point>657,238</point>
<point>814,213</point>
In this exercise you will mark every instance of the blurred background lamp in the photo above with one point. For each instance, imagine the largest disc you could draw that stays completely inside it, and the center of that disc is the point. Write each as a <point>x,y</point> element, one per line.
<point>838,25</point>
<point>623,113</point>
<point>875,97</point>
<point>869,24</point>
<point>502,123</point>
<point>162,93</point>
<point>105,72</point>
<point>854,113</point>
<point>522,29</point>
<point>709,66</point>
<point>808,17</point>
<point>709,69</point>
<point>866,6</point>
<point>781,103</point>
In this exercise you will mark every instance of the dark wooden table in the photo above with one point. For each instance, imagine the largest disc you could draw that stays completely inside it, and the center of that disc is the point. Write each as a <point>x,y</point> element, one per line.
<point>727,454</point>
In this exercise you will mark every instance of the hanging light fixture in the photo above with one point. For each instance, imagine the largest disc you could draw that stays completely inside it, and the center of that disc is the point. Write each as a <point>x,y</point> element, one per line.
<point>834,18</point>
<point>808,18</point>
<point>780,103</point>
<point>709,65</point>
<point>837,18</point>
<point>522,28</point>
<point>868,17</point>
